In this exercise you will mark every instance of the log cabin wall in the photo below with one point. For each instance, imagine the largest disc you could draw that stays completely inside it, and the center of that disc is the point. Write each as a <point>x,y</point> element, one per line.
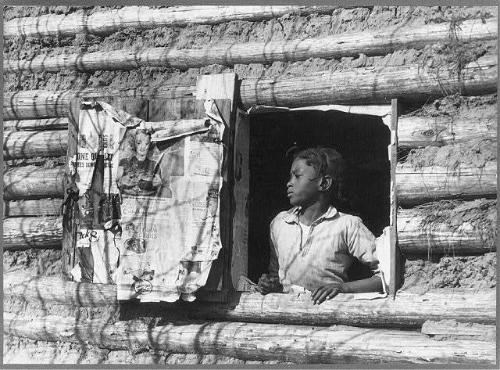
<point>441,64</point>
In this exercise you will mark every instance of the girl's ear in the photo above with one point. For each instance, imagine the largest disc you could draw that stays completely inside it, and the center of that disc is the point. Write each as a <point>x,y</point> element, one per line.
<point>326,183</point>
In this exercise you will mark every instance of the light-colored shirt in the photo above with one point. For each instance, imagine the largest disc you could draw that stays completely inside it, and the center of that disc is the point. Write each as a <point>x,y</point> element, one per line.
<point>324,254</point>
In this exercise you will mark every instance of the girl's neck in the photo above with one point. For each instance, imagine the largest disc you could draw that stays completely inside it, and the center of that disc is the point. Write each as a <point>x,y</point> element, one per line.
<point>311,213</point>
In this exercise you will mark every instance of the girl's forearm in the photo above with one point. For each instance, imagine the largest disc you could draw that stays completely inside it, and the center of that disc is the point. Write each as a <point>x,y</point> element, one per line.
<point>371,284</point>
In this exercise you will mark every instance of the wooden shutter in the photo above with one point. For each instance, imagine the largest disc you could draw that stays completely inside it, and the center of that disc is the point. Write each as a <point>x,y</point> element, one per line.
<point>221,89</point>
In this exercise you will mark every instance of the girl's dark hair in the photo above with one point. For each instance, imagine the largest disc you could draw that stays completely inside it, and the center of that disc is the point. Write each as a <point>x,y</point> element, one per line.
<point>327,161</point>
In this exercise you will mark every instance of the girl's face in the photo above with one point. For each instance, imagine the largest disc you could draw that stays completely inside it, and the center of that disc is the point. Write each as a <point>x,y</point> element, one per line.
<point>142,142</point>
<point>303,187</point>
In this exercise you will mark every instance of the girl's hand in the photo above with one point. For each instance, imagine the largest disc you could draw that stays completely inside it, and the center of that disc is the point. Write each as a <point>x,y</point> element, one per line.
<point>268,284</point>
<point>327,292</point>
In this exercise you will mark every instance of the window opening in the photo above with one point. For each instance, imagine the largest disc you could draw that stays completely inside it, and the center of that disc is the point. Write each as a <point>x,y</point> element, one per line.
<point>362,139</point>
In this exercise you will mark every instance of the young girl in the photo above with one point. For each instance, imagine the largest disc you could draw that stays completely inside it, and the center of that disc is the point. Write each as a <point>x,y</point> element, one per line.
<point>312,244</point>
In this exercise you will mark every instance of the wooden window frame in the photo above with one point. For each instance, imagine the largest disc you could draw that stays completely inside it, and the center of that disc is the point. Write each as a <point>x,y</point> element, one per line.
<point>389,114</point>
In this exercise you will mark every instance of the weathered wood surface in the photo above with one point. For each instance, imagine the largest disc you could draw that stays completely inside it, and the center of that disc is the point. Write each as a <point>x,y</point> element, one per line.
<point>33,207</point>
<point>372,85</point>
<point>417,131</point>
<point>413,131</point>
<point>28,144</point>
<point>36,124</point>
<point>413,185</point>
<point>451,329</point>
<point>252,341</point>
<point>345,45</point>
<point>418,185</point>
<point>351,87</point>
<point>408,310</point>
<point>36,104</point>
<point>39,352</point>
<point>30,352</point>
<point>143,17</point>
<point>416,237</point>
<point>413,238</point>
<point>31,182</point>
<point>32,232</point>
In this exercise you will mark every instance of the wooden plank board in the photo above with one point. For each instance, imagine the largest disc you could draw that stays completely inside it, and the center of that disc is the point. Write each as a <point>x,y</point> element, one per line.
<point>393,157</point>
<point>70,211</point>
<point>239,256</point>
<point>217,87</point>
<point>221,88</point>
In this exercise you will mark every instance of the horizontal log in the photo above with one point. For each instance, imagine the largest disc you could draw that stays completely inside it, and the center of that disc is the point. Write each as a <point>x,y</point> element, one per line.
<point>36,124</point>
<point>351,87</point>
<point>31,182</point>
<point>414,186</point>
<point>35,104</point>
<point>33,207</point>
<point>32,232</point>
<point>413,131</point>
<point>27,351</point>
<point>369,43</point>
<point>418,185</point>
<point>413,238</point>
<point>252,341</point>
<point>418,236</point>
<point>142,17</point>
<point>451,329</point>
<point>22,144</point>
<point>416,130</point>
<point>407,310</point>
<point>372,85</point>
<point>477,123</point>
<point>27,144</point>
<point>30,352</point>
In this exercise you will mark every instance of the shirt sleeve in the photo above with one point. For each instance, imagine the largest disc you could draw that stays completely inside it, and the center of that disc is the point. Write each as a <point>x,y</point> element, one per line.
<point>362,245</point>
<point>273,257</point>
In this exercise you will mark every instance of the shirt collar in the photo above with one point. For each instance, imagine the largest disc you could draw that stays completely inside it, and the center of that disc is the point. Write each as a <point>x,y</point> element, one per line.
<point>292,215</point>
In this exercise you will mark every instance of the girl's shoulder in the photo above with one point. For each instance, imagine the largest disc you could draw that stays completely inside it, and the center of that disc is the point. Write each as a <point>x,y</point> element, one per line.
<point>348,219</point>
<point>285,216</point>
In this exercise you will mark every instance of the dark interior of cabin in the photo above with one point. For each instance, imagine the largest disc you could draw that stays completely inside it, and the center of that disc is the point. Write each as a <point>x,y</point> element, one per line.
<point>275,137</point>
